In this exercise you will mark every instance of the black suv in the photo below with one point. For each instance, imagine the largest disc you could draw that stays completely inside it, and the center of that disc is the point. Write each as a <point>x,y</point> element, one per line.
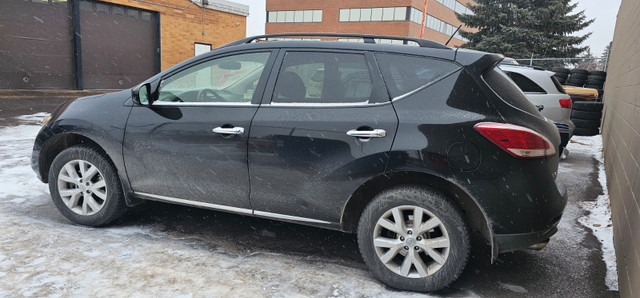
<point>413,148</point>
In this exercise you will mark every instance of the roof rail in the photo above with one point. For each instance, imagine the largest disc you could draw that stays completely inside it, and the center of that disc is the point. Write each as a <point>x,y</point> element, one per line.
<point>367,39</point>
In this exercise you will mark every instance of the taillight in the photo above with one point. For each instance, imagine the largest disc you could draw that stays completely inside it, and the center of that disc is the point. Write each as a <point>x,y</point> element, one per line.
<point>566,103</point>
<point>518,141</point>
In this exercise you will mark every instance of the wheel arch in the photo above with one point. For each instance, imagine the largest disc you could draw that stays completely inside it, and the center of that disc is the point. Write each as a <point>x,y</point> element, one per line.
<point>473,214</point>
<point>60,142</point>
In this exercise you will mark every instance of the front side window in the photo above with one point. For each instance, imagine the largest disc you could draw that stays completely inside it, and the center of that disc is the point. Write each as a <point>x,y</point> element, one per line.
<point>308,77</point>
<point>228,79</point>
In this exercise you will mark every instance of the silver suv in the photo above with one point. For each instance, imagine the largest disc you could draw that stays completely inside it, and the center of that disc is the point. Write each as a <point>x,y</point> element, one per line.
<point>545,92</point>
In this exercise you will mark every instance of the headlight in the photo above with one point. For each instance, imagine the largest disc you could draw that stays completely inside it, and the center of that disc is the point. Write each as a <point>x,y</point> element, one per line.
<point>46,119</point>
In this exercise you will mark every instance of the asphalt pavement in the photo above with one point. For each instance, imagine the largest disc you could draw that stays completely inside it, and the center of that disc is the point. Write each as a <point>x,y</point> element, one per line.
<point>571,265</point>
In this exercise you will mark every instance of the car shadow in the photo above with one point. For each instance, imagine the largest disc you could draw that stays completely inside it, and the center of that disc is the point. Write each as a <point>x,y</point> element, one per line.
<point>244,235</point>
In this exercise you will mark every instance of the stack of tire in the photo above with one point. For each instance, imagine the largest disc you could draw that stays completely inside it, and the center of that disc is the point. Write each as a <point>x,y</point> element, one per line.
<point>596,80</point>
<point>562,74</point>
<point>577,77</point>
<point>586,116</point>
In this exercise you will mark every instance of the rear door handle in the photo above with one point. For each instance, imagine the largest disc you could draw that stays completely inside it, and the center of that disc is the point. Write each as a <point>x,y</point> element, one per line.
<point>229,131</point>
<point>376,133</point>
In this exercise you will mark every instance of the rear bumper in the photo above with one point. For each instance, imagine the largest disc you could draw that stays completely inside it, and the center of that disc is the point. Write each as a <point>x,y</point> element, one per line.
<point>566,132</point>
<point>512,242</point>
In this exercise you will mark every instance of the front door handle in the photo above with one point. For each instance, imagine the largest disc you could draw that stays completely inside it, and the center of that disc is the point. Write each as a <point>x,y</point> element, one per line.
<point>376,133</point>
<point>229,130</point>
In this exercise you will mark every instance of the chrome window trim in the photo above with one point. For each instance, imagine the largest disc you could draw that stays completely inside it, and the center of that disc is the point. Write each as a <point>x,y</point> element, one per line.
<point>414,91</point>
<point>244,211</point>
<point>209,104</point>
<point>324,105</point>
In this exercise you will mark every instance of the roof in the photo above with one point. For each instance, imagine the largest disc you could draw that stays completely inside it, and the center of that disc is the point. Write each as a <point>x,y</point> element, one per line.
<point>225,6</point>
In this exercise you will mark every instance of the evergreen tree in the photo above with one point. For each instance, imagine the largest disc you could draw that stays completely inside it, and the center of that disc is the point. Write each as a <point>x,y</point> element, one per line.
<point>519,28</point>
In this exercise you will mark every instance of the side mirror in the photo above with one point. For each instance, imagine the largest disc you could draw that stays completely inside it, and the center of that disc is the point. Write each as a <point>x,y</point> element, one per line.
<point>142,95</point>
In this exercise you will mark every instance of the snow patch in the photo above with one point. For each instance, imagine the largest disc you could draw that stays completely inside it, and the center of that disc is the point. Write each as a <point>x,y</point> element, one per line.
<point>513,288</point>
<point>599,218</point>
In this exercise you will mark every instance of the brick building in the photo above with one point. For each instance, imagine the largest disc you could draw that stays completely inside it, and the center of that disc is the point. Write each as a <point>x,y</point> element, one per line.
<point>383,17</point>
<point>107,44</point>
<point>621,137</point>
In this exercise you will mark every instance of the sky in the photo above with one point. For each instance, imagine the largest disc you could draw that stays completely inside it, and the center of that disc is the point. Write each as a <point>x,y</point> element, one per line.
<point>603,11</point>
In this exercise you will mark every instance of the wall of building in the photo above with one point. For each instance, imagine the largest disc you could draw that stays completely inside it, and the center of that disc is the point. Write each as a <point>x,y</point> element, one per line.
<point>331,18</point>
<point>621,136</point>
<point>181,25</point>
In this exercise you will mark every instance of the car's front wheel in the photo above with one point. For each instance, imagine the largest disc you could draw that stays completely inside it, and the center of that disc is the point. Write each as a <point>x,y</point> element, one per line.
<point>85,187</point>
<point>413,238</point>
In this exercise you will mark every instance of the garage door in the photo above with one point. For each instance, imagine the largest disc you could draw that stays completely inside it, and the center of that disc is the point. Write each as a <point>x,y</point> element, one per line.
<point>35,45</point>
<point>120,45</point>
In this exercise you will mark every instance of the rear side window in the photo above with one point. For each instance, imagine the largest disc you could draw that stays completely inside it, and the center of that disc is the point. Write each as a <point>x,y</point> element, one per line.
<point>525,83</point>
<point>404,74</point>
<point>313,77</point>
<point>508,91</point>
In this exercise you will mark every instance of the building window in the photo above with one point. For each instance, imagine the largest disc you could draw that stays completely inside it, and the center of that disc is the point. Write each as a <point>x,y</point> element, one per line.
<point>295,16</point>
<point>435,24</point>
<point>380,41</point>
<point>373,14</point>
<point>201,48</point>
<point>455,6</point>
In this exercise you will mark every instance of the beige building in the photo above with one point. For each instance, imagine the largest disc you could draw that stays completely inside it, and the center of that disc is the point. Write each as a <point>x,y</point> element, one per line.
<point>621,137</point>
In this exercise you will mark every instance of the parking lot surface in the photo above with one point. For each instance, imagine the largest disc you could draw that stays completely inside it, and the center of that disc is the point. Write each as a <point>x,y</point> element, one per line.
<point>167,250</point>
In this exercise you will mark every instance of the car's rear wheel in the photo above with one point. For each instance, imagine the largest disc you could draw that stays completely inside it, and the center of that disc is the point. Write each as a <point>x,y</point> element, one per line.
<point>85,187</point>
<point>413,238</point>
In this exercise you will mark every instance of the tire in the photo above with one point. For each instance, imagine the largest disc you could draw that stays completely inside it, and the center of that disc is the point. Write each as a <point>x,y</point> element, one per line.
<point>560,79</point>
<point>560,75</point>
<point>574,83</point>
<point>93,195</point>
<point>581,72</point>
<point>597,78</point>
<point>586,132</point>
<point>582,123</point>
<point>593,86</point>
<point>589,106</point>
<point>577,78</point>
<point>561,70</point>
<point>406,242</point>
<point>594,82</point>
<point>598,73</point>
<point>576,114</point>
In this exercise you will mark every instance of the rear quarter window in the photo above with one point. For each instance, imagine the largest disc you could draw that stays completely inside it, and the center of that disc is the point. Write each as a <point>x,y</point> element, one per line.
<point>525,84</point>
<point>558,85</point>
<point>403,74</point>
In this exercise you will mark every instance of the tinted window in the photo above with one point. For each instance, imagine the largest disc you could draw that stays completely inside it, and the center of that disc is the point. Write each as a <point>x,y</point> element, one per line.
<point>406,73</point>
<point>558,85</point>
<point>308,77</point>
<point>226,79</point>
<point>508,91</point>
<point>525,83</point>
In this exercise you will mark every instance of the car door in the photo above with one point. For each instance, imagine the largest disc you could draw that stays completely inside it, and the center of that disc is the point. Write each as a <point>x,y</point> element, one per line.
<point>190,146</point>
<point>327,129</point>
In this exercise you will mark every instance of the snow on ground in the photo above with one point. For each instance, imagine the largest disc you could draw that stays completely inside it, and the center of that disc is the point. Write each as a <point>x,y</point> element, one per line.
<point>599,217</point>
<point>43,254</point>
